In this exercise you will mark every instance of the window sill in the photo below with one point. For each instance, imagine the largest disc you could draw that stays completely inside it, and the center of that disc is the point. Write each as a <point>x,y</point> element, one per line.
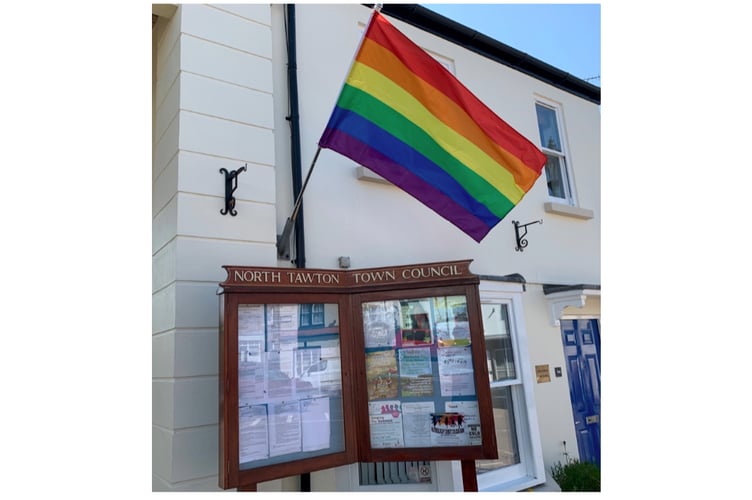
<point>569,211</point>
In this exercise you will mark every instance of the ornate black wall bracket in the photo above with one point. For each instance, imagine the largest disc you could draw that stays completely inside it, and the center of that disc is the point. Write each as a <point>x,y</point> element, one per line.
<point>231,184</point>
<point>521,241</point>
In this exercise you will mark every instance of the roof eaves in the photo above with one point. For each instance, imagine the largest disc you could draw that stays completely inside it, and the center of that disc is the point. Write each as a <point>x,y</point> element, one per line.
<point>443,27</point>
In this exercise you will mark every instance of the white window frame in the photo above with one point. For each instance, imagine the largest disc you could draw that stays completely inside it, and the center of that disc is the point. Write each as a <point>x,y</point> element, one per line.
<point>530,470</point>
<point>563,155</point>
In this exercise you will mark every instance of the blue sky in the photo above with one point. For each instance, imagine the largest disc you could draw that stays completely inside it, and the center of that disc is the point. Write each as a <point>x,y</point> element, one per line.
<point>567,36</point>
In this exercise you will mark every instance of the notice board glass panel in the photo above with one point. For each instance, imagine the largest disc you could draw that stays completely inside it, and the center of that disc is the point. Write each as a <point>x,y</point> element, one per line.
<point>289,383</point>
<point>420,374</point>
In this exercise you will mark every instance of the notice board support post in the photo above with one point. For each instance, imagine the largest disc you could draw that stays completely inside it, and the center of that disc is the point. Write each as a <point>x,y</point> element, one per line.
<point>469,479</point>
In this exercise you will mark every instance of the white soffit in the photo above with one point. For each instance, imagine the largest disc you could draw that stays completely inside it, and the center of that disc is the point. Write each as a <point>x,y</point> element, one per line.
<point>558,301</point>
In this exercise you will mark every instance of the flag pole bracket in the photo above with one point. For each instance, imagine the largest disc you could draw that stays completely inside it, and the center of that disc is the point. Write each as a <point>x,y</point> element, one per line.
<point>231,184</point>
<point>283,240</point>
<point>521,241</point>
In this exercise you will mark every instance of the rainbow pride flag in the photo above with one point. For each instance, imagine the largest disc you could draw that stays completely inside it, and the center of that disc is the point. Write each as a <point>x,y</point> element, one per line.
<point>404,116</point>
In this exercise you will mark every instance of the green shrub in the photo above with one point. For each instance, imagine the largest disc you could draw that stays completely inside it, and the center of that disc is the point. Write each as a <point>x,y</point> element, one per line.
<point>577,476</point>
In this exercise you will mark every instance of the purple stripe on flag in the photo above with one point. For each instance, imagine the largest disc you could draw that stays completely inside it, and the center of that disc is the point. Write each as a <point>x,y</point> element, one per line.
<point>367,132</point>
<point>398,175</point>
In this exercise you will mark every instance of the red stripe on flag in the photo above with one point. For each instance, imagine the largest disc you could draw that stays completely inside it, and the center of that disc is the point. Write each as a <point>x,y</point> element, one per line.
<point>430,70</point>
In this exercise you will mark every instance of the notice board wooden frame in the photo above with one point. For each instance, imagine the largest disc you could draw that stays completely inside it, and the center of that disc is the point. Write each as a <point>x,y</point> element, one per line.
<point>349,289</point>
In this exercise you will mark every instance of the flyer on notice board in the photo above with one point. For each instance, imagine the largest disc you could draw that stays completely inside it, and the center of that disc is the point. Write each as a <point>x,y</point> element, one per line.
<point>253,435</point>
<point>315,423</point>
<point>386,424</point>
<point>469,410</point>
<point>282,323</point>
<point>456,371</point>
<point>381,374</point>
<point>416,423</point>
<point>415,372</point>
<point>284,428</point>
<point>380,321</point>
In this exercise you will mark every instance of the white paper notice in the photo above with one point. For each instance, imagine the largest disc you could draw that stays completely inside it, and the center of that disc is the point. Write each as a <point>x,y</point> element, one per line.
<point>416,423</point>
<point>279,375</point>
<point>251,320</point>
<point>253,438</point>
<point>284,428</point>
<point>251,332</point>
<point>282,322</point>
<point>379,323</point>
<point>471,416</point>
<point>252,386</point>
<point>456,371</point>
<point>386,424</point>
<point>316,424</point>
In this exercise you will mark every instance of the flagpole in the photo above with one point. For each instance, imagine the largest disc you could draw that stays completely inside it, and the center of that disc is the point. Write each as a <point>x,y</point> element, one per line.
<point>283,240</point>
<point>305,183</point>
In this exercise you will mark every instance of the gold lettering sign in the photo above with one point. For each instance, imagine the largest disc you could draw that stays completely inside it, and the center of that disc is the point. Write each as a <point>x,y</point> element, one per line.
<point>373,276</point>
<point>239,276</point>
<point>249,276</point>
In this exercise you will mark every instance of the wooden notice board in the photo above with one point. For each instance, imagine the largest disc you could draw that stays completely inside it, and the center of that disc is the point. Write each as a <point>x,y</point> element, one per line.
<point>321,368</point>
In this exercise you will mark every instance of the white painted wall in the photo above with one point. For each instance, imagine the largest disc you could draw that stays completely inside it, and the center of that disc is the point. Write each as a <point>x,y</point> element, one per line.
<point>552,398</point>
<point>221,102</point>
<point>214,109</point>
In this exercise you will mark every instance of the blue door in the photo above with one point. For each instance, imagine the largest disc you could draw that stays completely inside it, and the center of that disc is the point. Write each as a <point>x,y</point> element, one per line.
<point>582,348</point>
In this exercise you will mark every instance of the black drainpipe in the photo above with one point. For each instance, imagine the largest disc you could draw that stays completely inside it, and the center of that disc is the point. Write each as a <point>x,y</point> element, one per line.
<point>292,81</point>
